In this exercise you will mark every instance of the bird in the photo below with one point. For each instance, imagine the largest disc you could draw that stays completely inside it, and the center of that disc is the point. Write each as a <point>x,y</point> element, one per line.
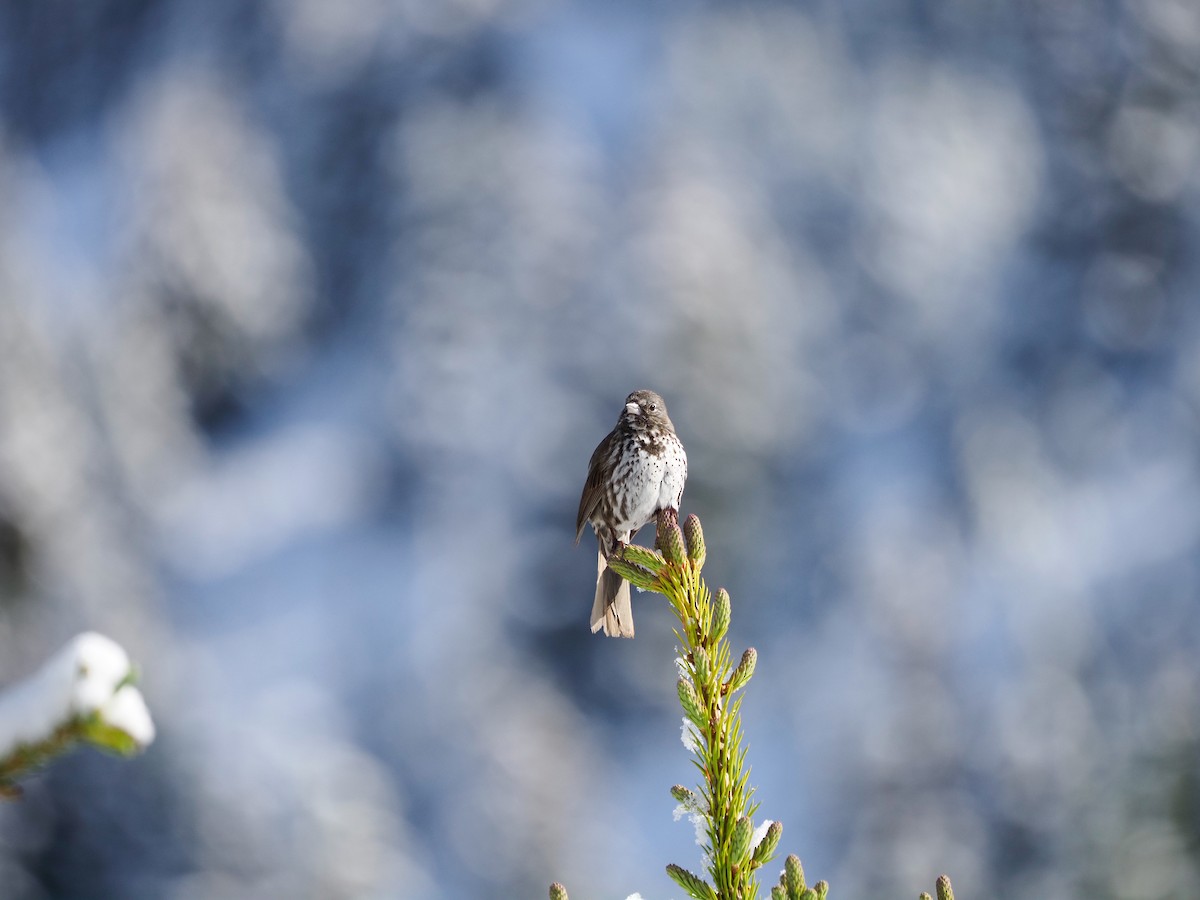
<point>637,470</point>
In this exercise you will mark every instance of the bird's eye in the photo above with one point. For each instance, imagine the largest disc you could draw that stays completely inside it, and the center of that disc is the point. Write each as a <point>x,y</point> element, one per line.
<point>652,406</point>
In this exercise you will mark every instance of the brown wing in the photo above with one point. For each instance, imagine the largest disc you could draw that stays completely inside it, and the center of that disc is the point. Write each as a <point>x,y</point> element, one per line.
<point>593,488</point>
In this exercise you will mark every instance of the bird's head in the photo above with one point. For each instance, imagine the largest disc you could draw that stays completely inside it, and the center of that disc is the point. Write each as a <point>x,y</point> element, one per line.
<point>646,407</point>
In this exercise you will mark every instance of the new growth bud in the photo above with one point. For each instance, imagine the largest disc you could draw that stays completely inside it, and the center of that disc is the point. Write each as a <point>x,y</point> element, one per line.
<point>720,615</point>
<point>944,891</point>
<point>745,669</point>
<point>670,540</point>
<point>558,892</point>
<point>793,876</point>
<point>739,844</point>
<point>683,795</point>
<point>688,799</point>
<point>691,703</point>
<point>767,846</point>
<point>703,666</point>
<point>694,537</point>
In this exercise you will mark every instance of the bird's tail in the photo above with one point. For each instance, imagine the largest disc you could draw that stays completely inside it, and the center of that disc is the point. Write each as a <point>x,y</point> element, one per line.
<point>611,610</point>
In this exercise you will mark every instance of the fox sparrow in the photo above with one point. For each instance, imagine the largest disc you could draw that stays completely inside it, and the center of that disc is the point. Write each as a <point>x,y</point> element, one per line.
<point>637,470</point>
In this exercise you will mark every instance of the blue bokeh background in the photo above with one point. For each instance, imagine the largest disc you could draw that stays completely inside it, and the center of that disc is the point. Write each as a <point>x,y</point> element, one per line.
<point>311,314</point>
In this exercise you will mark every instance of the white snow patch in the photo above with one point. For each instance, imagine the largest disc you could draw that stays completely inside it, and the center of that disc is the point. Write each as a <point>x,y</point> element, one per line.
<point>81,678</point>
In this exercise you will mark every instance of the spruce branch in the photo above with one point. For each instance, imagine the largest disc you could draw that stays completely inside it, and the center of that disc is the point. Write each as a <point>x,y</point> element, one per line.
<point>709,689</point>
<point>709,692</point>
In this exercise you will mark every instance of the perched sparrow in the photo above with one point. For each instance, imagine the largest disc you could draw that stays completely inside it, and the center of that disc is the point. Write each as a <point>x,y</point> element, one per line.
<point>637,470</point>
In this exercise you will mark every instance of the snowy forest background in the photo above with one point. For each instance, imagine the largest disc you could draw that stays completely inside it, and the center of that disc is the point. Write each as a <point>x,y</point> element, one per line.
<point>312,312</point>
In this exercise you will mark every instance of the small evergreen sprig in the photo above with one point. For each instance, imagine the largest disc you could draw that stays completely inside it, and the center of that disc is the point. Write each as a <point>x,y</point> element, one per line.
<point>709,689</point>
<point>791,883</point>
<point>85,694</point>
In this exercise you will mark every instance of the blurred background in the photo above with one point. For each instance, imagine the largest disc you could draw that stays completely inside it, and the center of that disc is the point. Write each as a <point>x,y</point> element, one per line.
<point>312,312</point>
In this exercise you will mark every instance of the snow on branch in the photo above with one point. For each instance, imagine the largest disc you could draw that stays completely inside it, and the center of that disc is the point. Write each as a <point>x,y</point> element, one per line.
<point>85,693</point>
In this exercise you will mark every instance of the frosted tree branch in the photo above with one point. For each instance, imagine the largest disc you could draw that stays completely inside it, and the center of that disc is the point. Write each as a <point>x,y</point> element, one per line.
<point>84,693</point>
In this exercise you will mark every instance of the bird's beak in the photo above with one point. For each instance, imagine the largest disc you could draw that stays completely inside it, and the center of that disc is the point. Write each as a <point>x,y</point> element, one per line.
<point>632,408</point>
